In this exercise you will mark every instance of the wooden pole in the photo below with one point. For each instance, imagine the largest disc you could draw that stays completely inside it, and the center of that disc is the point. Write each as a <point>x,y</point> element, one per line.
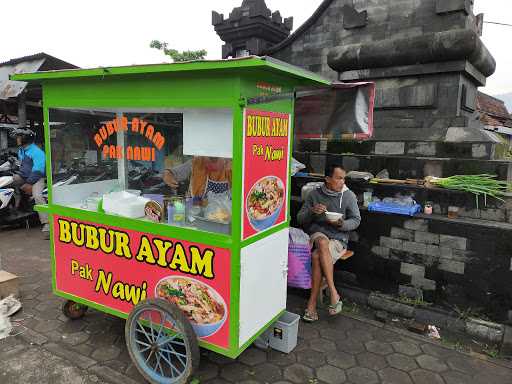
<point>22,110</point>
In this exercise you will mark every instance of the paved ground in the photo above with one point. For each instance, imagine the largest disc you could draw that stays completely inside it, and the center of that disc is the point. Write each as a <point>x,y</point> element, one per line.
<point>51,349</point>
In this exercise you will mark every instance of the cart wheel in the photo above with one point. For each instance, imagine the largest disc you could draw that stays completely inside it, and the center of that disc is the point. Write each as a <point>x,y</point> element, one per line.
<point>161,342</point>
<point>73,311</point>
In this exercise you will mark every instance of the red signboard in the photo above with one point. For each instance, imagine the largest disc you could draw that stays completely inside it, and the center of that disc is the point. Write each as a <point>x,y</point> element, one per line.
<point>118,268</point>
<point>266,161</point>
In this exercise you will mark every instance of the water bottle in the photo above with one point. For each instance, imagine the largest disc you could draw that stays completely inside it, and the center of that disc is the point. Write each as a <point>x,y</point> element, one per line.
<point>170,214</point>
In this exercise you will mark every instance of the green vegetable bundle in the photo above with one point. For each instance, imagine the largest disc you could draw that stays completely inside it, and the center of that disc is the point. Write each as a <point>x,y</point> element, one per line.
<point>485,185</point>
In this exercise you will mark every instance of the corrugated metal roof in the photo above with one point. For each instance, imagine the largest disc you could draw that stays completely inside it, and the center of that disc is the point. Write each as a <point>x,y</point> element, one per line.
<point>57,63</point>
<point>38,62</point>
<point>9,88</point>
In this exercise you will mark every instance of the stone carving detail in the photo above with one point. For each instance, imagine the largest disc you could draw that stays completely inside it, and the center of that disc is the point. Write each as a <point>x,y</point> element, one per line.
<point>251,28</point>
<point>354,19</point>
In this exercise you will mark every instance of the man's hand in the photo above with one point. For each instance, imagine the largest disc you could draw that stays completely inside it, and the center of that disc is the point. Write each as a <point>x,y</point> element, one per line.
<point>319,209</point>
<point>27,188</point>
<point>169,179</point>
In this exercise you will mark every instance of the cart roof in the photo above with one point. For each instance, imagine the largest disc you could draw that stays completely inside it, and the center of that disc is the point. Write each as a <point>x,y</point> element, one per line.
<point>249,64</point>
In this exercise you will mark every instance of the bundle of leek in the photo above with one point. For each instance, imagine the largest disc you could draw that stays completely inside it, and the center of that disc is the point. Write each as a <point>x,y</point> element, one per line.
<point>479,185</point>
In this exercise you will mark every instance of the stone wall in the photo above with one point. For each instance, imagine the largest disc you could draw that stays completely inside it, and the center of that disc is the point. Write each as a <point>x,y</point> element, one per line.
<point>331,27</point>
<point>462,263</point>
<point>425,57</point>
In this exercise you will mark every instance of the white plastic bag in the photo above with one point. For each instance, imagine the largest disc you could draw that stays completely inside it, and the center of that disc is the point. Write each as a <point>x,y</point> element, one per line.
<point>297,166</point>
<point>8,307</point>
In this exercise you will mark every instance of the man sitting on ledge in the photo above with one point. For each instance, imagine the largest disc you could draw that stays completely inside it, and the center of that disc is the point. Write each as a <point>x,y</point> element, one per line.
<point>329,239</point>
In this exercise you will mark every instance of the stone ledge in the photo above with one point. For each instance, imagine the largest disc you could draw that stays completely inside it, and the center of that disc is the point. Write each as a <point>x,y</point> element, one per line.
<point>459,220</point>
<point>489,332</point>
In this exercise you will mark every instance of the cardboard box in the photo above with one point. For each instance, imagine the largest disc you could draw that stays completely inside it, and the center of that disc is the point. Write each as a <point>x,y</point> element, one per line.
<point>9,285</point>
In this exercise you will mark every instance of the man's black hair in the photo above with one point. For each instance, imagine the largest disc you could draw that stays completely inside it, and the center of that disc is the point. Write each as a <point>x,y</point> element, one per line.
<point>329,169</point>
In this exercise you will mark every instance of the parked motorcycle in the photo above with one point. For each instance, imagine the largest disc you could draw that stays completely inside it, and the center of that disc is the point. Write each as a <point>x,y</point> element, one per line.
<point>15,207</point>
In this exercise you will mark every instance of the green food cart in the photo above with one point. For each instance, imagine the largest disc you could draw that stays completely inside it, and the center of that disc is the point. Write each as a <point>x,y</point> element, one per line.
<point>168,193</point>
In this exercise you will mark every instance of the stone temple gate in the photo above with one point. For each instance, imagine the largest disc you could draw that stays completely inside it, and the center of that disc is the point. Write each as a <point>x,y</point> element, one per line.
<point>427,60</point>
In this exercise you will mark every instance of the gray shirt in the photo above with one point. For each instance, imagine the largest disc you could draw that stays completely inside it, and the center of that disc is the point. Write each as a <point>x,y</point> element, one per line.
<point>343,202</point>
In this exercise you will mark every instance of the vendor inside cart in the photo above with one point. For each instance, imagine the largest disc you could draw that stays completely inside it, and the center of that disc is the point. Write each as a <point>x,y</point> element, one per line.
<point>207,175</point>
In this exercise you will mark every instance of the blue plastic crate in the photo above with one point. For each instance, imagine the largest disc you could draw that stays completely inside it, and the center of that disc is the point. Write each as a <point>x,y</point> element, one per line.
<point>379,206</point>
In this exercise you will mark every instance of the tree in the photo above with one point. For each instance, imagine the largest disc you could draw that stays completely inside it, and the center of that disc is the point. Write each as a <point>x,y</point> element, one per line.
<point>175,55</point>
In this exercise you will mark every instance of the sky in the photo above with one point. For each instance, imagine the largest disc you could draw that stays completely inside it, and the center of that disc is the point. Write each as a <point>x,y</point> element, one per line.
<point>106,33</point>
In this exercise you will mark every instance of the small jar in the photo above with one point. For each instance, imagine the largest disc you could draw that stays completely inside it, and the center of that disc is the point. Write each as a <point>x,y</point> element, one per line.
<point>429,208</point>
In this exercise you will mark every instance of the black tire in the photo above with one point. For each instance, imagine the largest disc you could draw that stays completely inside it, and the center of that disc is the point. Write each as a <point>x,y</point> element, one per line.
<point>190,347</point>
<point>73,311</point>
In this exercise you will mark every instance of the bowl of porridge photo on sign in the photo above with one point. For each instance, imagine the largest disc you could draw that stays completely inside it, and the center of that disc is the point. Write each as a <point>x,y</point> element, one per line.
<point>264,202</point>
<point>204,306</point>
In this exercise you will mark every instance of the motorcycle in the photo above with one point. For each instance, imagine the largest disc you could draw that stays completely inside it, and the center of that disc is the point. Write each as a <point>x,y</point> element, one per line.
<point>14,207</point>
<point>150,181</point>
<point>7,165</point>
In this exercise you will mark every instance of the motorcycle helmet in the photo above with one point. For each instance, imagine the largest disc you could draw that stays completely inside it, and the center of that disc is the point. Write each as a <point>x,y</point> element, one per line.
<point>28,136</point>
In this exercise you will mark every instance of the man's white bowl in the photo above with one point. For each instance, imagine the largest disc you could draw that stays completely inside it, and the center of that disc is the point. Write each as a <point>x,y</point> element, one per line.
<point>334,216</point>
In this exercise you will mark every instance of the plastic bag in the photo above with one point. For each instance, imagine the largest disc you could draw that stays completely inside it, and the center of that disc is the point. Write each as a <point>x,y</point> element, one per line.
<point>356,175</point>
<point>219,207</point>
<point>297,166</point>
<point>299,259</point>
<point>384,174</point>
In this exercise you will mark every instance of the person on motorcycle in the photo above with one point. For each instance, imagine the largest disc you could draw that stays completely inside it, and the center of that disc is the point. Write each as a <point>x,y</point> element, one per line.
<point>31,175</point>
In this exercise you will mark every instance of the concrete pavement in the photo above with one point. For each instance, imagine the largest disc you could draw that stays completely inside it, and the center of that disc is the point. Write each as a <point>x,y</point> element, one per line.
<point>49,348</point>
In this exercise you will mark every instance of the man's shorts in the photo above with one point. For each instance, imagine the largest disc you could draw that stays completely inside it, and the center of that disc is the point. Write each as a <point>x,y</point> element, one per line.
<point>336,248</point>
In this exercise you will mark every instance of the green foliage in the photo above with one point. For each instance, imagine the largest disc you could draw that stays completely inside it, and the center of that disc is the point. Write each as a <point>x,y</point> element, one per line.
<point>416,302</point>
<point>175,55</point>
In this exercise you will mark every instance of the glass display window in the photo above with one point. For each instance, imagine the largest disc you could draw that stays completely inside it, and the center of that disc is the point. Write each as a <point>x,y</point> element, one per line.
<point>164,165</point>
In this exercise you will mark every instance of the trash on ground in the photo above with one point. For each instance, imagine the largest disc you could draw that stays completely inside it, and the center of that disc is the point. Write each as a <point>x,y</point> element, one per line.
<point>433,332</point>
<point>8,307</point>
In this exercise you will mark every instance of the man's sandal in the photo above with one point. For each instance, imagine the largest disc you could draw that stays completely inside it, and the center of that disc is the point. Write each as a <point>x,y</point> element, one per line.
<point>335,309</point>
<point>310,316</point>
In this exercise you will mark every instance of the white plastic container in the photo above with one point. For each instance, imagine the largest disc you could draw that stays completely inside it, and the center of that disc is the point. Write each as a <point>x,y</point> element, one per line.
<point>282,335</point>
<point>124,204</point>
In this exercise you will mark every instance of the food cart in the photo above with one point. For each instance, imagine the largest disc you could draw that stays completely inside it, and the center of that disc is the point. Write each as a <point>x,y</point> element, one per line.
<point>168,193</point>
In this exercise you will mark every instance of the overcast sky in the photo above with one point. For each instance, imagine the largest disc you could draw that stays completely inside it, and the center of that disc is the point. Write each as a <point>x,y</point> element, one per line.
<point>105,33</point>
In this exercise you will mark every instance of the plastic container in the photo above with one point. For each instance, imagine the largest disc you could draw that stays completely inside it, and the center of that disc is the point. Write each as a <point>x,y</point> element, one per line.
<point>282,335</point>
<point>124,204</point>
<point>367,198</point>
<point>179,211</point>
<point>388,207</point>
<point>189,208</point>
<point>170,214</point>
